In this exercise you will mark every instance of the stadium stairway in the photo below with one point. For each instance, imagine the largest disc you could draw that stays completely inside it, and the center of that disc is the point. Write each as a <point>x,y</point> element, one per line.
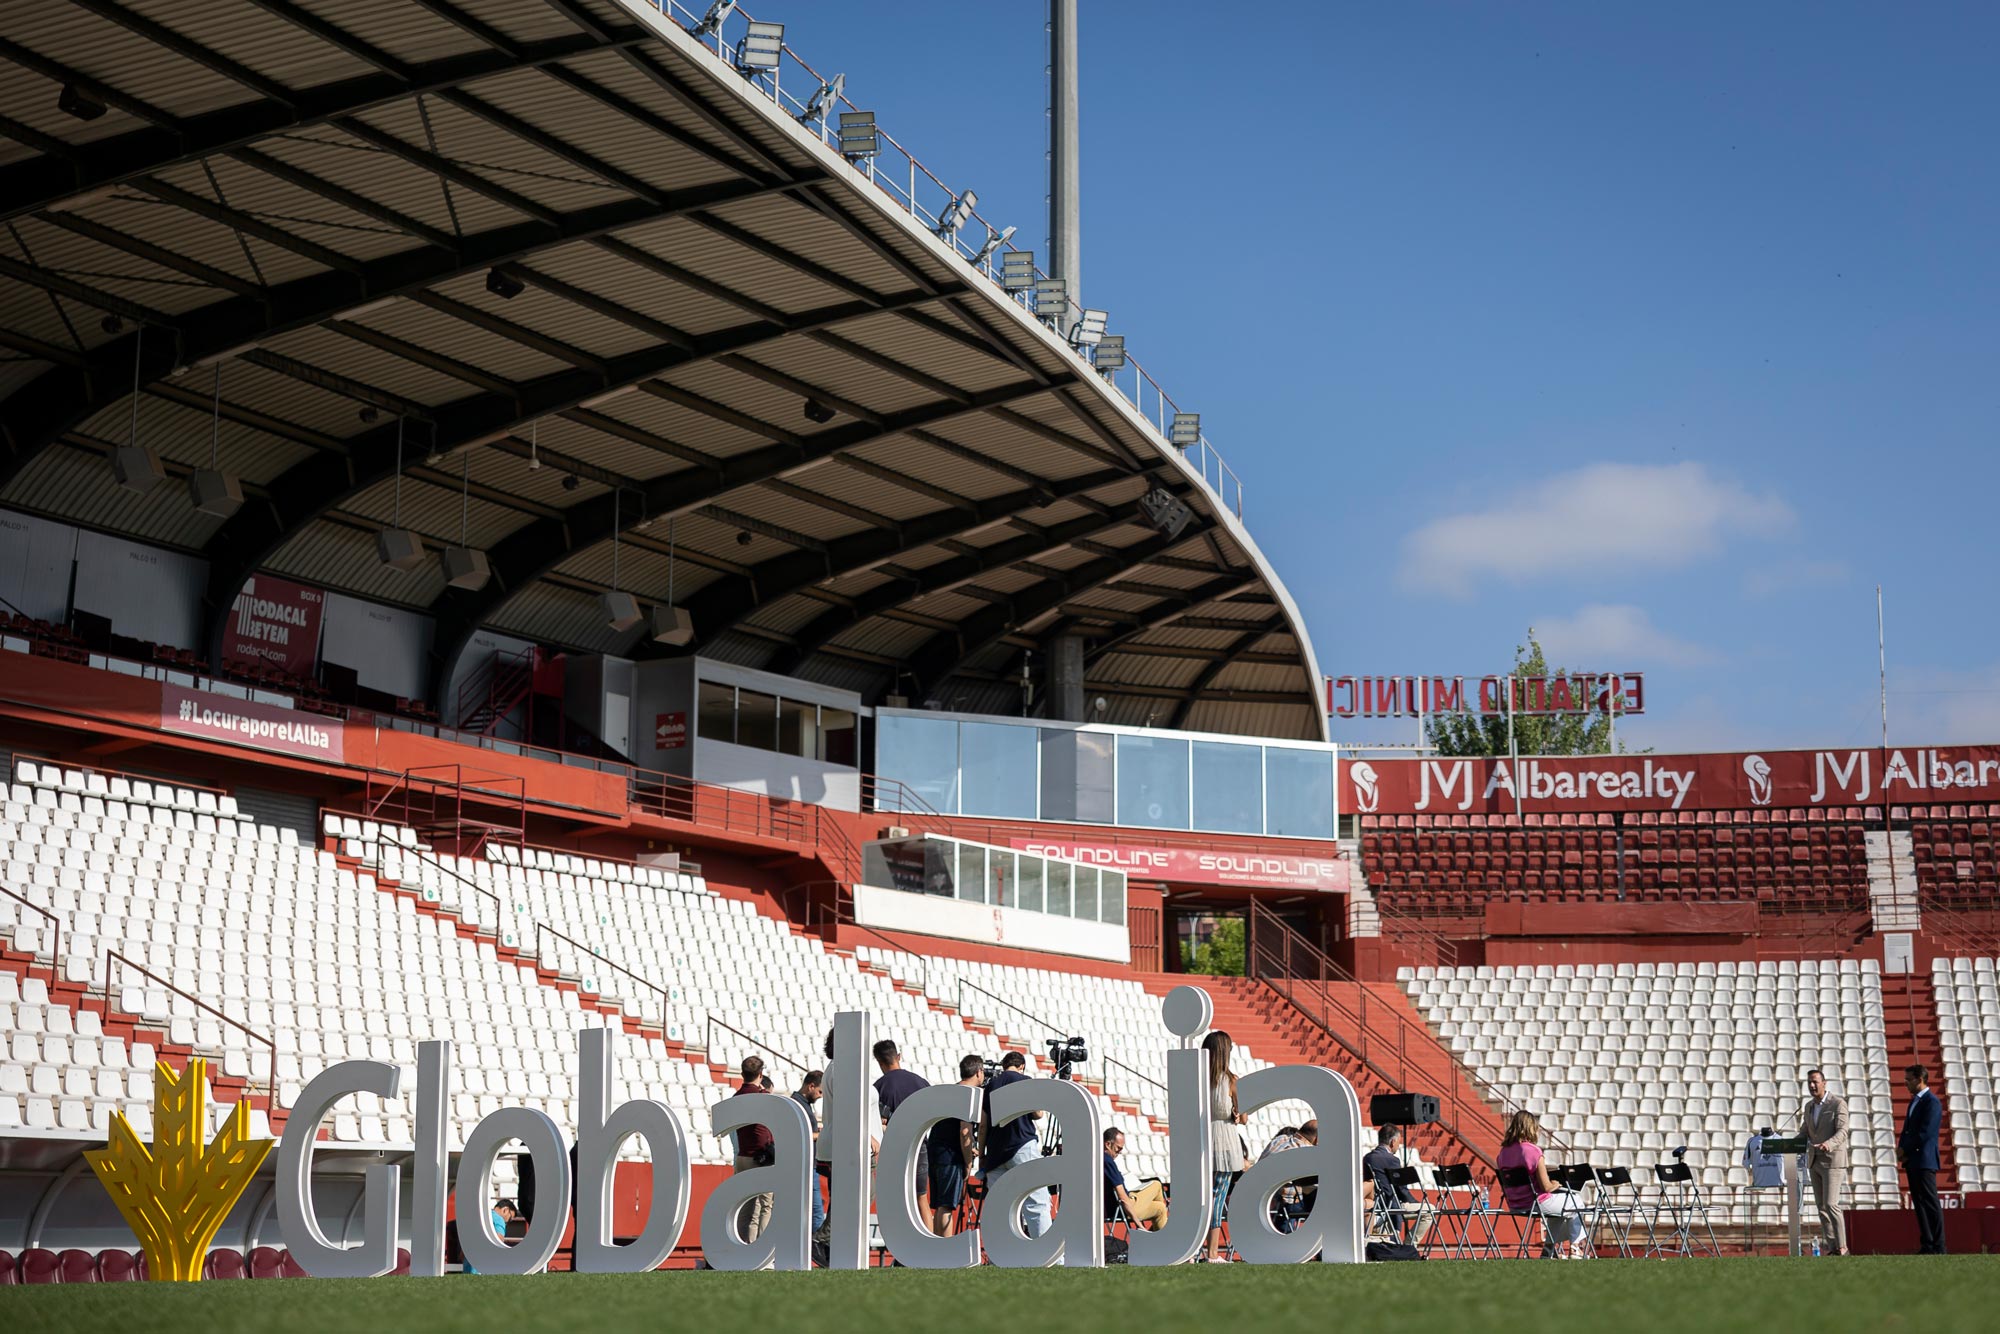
<point>1909,1014</point>
<point>1253,1012</point>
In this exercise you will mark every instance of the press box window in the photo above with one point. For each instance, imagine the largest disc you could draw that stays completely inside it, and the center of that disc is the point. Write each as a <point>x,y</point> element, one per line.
<point>756,720</point>
<point>717,707</point>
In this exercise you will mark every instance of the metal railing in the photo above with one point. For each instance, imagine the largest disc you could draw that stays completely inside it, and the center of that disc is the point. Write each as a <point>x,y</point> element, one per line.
<point>545,960</point>
<point>417,854</point>
<point>708,1044</point>
<point>270,1077</point>
<point>1380,1036</point>
<point>840,913</point>
<point>803,93</point>
<point>55,930</point>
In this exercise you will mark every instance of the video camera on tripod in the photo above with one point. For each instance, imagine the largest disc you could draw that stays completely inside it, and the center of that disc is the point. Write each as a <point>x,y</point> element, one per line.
<point>1066,1053</point>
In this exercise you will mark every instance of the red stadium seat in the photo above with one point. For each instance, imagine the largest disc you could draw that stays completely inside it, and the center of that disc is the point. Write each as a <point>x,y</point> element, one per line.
<point>6,1269</point>
<point>78,1266</point>
<point>224,1264</point>
<point>116,1266</point>
<point>290,1268</point>
<point>402,1260</point>
<point>266,1262</point>
<point>40,1266</point>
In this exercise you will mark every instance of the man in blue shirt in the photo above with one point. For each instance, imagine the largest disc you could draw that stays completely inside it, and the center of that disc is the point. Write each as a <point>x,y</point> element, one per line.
<point>1012,1145</point>
<point>1918,1148</point>
<point>1146,1209</point>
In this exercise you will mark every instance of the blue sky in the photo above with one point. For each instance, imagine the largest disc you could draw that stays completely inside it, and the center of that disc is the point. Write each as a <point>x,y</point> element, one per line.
<point>1669,330</point>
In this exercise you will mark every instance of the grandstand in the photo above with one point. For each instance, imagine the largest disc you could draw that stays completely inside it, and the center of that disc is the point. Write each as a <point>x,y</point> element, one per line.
<point>546,672</point>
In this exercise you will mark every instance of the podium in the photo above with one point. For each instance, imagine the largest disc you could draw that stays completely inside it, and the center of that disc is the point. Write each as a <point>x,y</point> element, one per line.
<point>1792,1148</point>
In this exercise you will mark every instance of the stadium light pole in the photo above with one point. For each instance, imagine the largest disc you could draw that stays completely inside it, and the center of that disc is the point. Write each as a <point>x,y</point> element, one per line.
<point>1065,158</point>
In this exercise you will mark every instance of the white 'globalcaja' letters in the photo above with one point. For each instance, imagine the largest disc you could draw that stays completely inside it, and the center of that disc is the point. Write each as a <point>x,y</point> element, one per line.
<point>381,1185</point>
<point>785,1243</point>
<point>600,1130</point>
<point>543,1140</point>
<point>1333,1228</point>
<point>843,1142</point>
<point>905,1231</point>
<point>427,1198</point>
<point>1076,1238</point>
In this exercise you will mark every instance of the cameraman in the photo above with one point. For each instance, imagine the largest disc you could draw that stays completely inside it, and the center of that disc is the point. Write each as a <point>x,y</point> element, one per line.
<point>1011,1145</point>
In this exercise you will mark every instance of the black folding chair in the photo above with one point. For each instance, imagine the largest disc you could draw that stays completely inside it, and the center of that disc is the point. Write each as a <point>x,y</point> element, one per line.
<point>1621,1214</point>
<point>1456,1220</point>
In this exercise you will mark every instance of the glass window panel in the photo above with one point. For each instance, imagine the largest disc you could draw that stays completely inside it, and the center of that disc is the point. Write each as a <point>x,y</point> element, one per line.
<point>1030,883</point>
<point>1298,786</point>
<point>717,712</point>
<point>1111,898</point>
<point>1083,897</point>
<point>1077,770</point>
<point>1000,871</point>
<point>1153,782</point>
<point>972,872</point>
<point>940,867</point>
<point>998,763</point>
<point>1228,787</point>
<point>756,720</point>
<point>1057,881</point>
<point>922,753</point>
<point>798,729</point>
<point>838,739</point>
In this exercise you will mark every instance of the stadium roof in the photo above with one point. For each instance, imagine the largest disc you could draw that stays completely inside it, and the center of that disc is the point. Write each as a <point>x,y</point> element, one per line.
<point>564,233</point>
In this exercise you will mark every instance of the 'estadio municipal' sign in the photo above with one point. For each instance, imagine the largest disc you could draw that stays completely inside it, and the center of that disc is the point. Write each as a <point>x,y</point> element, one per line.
<point>1075,1238</point>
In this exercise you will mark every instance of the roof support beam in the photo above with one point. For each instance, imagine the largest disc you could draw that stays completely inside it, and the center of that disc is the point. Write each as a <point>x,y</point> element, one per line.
<point>947,651</point>
<point>37,183</point>
<point>64,396</point>
<point>534,550</point>
<point>1173,608</point>
<point>726,604</point>
<point>1221,663</point>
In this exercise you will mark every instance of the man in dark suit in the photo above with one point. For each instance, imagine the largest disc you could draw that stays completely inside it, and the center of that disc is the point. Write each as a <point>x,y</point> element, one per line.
<point>1918,1148</point>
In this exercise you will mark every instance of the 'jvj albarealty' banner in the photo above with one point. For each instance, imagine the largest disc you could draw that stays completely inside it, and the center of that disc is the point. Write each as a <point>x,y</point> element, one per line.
<point>1781,778</point>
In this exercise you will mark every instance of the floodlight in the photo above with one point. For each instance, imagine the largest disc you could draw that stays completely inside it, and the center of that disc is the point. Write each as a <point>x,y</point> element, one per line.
<point>1089,331</point>
<point>957,213</point>
<point>504,286</point>
<point>712,23</point>
<point>994,240</point>
<point>825,98</point>
<point>1185,431</point>
<point>215,493</point>
<point>1051,298</point>
<point>73,101</point>
<point>1017,270</point>
<point>400,549</point>
<point>621,610</point>
<point>1111,353</point>
<point>1164,512</point>
<point>761,47</point>
<point>859,137</point>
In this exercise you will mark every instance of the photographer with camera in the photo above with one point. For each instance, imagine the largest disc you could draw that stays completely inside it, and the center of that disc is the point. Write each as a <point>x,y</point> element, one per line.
<point>1012,1145</point>
<point>754,1148</point>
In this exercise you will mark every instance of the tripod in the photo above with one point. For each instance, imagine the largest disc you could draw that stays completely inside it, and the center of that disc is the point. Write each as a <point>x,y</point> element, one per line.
<point>1686,1209</point>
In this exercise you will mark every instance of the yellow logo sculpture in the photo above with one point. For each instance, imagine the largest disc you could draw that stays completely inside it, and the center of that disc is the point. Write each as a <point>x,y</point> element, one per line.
<point>176,1194</point>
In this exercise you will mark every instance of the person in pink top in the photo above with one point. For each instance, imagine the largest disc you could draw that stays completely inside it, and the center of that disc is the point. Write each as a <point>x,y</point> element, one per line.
<point>1527,1189</point>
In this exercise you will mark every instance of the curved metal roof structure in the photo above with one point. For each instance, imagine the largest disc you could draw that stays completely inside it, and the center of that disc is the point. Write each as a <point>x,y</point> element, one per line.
<point>521,275</point>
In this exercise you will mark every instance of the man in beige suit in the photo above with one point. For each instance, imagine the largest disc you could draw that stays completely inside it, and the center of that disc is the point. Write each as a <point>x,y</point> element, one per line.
<point>1824,1125</point>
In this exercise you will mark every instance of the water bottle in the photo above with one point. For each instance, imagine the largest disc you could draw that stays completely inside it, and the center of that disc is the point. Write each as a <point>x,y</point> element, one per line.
<point>1815,1248</point>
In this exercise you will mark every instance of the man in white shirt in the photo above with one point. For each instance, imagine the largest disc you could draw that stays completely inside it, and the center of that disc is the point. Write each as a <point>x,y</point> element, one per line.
<point>1824,1125</point>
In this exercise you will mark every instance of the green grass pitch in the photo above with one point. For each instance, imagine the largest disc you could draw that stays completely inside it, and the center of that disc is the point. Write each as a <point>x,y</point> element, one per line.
<point>1917,1295</point>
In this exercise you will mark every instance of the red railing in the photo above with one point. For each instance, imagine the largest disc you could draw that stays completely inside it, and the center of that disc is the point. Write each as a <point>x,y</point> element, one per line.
<point>451,799</point>
<point>271,1076</point>
<point>491,691</point>
<point>55,929</point>
<point>1380,1036</point>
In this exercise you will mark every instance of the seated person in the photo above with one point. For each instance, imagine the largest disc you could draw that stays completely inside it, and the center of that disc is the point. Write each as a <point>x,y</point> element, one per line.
<point>1294,1199</point>
<point>1533,1192</point>
<point>1397,1200</point>
<point>1147,1208</point>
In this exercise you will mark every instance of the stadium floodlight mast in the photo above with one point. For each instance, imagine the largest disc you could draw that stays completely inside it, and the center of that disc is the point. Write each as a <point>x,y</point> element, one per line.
<point>1185,430</point>
<point>1089,330</point>
<point>761,48</point>
<point>1110,353</point>
<point>859,136</point>
<point>824,99</point>
<point>994,240</point>
<point>956,214</point>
